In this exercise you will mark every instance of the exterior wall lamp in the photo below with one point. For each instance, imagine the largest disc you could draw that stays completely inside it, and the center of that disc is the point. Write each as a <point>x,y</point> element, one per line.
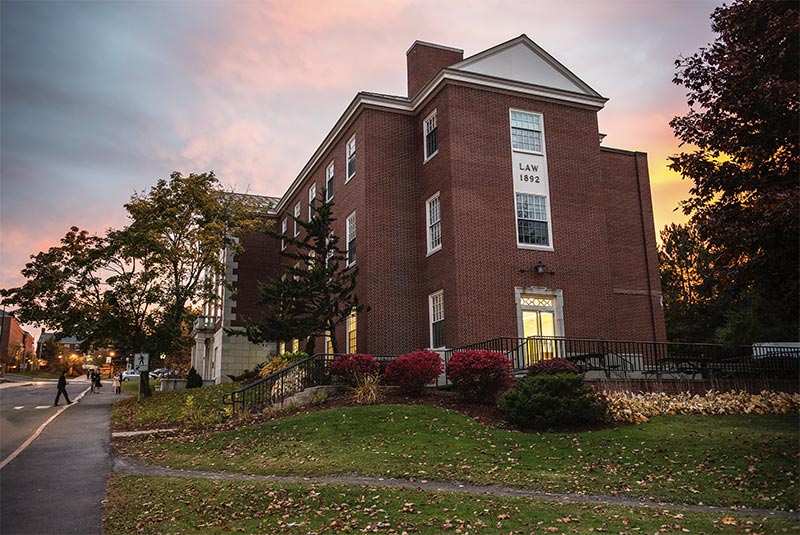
<point>538,268</point>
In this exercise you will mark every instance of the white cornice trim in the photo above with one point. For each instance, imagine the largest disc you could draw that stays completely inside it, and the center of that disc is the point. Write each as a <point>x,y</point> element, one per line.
<point>405,106</point>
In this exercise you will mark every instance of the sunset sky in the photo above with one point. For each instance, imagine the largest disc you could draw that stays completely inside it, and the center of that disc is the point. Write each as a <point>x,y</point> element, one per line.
<point>100,99</point>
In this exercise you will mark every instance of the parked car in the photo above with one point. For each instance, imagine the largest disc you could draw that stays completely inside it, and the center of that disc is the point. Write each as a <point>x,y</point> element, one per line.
<point>156,374</point>
<point>130,375</point>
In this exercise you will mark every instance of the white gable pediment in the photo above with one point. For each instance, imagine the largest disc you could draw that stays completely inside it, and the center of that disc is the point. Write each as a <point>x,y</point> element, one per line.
<point>522,60</point>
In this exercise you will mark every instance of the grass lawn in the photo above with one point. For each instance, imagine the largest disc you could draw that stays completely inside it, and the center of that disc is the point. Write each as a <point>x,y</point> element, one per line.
<point>168,505</point>
<point>168,409</point>
<point>749,460</point>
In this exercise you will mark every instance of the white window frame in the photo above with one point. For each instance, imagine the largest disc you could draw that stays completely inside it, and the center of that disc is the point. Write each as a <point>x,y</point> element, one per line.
<point>284,228</point>
<point>426,129</point>
<point>297,216</point>
<point>547,221</point>
<point>352,321</point>
<point>546,195</point>
<point>350,235</point>
<point>312,194</point>
<point>350,152</point>
<point>432,248</point>
<point>329,174</point>
<point>540,117</point>
<point>434,299</point>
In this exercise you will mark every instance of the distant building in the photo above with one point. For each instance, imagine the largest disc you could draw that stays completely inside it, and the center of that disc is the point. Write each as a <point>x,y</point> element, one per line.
<point>70,344</point>
<point>481,205</point>
<point>15,342</point>
<point>217,353</point>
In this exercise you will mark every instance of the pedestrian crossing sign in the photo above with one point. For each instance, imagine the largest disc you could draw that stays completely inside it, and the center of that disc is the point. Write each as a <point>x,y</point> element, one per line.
<point>141,362</point>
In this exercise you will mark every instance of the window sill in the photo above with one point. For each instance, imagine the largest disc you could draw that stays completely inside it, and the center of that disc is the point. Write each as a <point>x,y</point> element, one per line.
<point>433,252</point>
<point>348,179</point>
<point>534,247</point>
<point>429,158</point>
<point>524,151</point>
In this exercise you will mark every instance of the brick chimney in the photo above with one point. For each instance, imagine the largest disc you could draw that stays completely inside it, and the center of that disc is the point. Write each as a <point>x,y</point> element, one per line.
<point>425,60</point>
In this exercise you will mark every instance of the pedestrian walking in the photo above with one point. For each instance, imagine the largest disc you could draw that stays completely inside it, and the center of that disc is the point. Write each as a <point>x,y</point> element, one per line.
<point>62,389</point>
<point>117,384</point>
<point>95,382</point>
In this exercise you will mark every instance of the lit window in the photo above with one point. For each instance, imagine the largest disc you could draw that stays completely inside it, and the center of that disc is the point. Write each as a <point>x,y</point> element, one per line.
<point>295,345</point>
<point>328,343</point>
<point>434,223</point>
<point>526,131</point>
<point>351,239</point>
<point>329,182</point>
<point>532,220</point>
<point>431,136</point>
<point>281,348</point>
<point>284,226</point>
<point>312,195</point>
<point>296,219</point>
<point>351,158</point>
<point>351,332</point>
<point>436,314</point>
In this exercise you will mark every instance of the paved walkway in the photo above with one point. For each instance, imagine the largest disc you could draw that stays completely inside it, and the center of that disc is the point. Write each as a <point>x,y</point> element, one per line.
<point>131,467</point>
<point>58,483</point>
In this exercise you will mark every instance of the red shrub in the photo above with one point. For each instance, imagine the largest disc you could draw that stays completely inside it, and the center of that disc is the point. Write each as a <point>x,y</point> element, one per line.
<point>553,366</point>
<point>412,371</point>
<point>349,368</point>
<point>479,375</point>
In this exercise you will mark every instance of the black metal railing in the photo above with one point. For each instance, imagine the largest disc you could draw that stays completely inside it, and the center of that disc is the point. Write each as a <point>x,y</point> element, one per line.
<point>637,359</point>
<point>275,388</point>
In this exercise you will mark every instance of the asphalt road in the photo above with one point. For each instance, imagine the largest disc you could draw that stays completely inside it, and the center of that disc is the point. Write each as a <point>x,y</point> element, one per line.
<point>57,484</point>
<point>23,408</point>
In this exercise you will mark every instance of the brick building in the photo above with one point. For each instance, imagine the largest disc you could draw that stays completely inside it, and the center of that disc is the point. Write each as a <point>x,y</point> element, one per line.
<point>483,205</point>
<point>217,352</point>
<point>16,344</point>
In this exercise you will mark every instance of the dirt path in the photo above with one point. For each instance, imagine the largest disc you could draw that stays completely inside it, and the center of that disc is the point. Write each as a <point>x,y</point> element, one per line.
<point>127,466</point>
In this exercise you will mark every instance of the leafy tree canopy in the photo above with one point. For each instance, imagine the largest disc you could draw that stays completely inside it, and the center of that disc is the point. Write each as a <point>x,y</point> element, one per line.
<point>743,120</point>
<point>137,288</point>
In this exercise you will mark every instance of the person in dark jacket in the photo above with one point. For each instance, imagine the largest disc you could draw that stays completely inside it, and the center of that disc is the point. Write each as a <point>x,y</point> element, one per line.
<point>62,389</point>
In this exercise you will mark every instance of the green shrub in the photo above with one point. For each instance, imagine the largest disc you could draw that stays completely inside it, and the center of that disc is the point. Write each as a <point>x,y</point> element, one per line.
<point>193,379</point>
<point>549,401</point>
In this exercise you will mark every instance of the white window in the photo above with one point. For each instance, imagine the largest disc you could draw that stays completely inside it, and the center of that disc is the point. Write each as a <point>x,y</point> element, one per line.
<point>312,195</point>
<point>351,158</point>
<point>436,315</point>
<point>284,226</point>
<point>351,332</point>
<point>329,182</point>
<point>433,214</point>
<point>351,239</point>
<point>329,250</point>
<point>526,131</point>
<point>532,227</point>
<point>296,218</point>
<point>431,136</point>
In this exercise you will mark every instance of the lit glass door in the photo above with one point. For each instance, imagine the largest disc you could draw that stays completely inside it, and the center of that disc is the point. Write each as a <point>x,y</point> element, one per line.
<point>538,319</point>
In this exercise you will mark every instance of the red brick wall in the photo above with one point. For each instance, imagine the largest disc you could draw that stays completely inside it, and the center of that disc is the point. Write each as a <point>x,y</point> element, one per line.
<point>600,232</point>
<point>486,252</point>
<point>258,262</point>
<point>423,62</point>
<point>637,310</point>
<point>12,335</point>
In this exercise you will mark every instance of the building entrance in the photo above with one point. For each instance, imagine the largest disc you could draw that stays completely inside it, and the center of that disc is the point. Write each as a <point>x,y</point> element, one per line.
<point>538,319</point>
